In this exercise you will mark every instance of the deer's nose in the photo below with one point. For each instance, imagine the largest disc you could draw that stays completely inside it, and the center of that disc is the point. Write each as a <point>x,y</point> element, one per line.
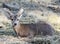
<point>14,24</point>
<point>12,19</point>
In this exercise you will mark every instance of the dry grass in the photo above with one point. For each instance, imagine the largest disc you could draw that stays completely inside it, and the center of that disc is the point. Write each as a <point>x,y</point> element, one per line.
<point>7,36</point>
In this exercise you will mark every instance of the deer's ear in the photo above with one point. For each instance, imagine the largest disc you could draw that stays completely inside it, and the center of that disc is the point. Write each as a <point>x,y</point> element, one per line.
<point>20,12</point>
<point>9,14</point>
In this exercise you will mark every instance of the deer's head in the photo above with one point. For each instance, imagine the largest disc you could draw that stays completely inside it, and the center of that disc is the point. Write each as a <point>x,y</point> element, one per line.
<point>14,17</point>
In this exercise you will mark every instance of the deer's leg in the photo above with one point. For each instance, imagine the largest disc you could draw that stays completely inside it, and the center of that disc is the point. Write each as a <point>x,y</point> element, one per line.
<point>15,33</point>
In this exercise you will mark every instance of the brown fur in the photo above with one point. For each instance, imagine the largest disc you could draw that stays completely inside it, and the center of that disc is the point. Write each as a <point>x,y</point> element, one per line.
<point>25,30</point>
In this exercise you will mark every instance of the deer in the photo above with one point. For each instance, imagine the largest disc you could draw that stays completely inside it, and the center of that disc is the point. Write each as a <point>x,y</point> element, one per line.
<point>29,30</point>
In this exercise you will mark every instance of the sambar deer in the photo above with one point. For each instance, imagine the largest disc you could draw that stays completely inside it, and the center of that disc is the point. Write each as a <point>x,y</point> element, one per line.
<point>29,30</point>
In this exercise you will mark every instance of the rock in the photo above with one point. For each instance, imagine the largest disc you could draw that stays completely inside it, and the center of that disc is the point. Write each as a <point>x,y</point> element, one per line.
<point>29,5</point>
<point>11,6</point>
<point>55,8</point>
<point>55,2</point>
